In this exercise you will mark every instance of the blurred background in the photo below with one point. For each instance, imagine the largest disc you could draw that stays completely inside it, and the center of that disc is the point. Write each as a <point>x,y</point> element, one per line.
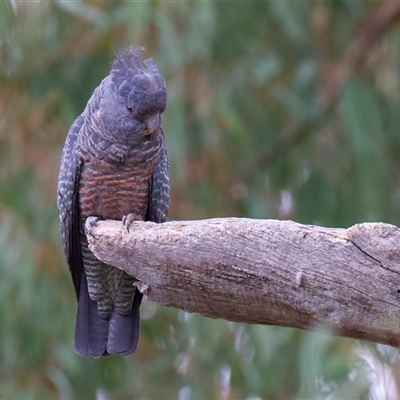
<point>276,109</point>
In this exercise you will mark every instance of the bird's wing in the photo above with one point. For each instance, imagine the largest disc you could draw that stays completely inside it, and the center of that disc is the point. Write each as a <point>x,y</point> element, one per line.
<point>67,203</point>
<point>159,190</point>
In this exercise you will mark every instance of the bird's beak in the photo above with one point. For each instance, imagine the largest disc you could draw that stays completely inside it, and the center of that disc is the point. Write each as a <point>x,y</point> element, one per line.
<point>152,124</point>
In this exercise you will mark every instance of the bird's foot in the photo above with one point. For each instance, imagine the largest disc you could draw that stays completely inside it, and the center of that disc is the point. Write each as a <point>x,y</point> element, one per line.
<point>127,220</point>
<point>89,224</point>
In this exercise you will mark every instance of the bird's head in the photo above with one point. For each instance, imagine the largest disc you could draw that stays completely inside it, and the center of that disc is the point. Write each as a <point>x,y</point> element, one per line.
<point>136,96</point>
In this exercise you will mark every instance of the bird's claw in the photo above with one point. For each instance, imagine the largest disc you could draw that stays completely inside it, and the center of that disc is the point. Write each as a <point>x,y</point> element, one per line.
<point>128,219</point>
<point>90,223</point>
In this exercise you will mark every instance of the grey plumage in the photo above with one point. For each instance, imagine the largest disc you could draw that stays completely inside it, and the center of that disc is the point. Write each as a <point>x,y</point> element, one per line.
<point>114,164</point>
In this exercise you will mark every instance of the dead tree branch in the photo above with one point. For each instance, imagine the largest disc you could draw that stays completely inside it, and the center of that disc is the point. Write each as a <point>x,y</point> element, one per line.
<point>265,271</point>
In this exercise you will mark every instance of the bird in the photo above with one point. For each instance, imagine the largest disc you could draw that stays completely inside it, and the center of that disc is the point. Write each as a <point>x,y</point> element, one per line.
<point>114,165</point>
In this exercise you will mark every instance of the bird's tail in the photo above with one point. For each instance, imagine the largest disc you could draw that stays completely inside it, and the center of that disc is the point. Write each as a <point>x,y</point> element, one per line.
<point>96,336</point>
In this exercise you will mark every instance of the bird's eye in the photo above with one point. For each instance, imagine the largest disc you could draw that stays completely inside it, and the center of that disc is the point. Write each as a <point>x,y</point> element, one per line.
<point>129,108</point>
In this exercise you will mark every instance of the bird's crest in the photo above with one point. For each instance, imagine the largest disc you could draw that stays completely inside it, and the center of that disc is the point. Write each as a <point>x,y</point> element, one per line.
<point>127,61</point>
<point>127,66</point>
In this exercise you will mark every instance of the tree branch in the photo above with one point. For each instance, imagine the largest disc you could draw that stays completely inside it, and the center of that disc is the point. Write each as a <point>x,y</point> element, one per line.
<point>372,28</point>
<point>265,271</point>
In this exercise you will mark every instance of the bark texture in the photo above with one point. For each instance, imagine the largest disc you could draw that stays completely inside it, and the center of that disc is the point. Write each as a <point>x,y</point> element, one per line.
<point>345,281</point>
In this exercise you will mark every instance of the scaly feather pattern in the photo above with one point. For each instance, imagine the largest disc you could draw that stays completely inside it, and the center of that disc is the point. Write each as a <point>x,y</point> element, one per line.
<point>114,164</point>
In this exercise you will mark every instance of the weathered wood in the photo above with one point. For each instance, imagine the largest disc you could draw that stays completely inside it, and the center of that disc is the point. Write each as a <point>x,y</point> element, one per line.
<point>265,271</point>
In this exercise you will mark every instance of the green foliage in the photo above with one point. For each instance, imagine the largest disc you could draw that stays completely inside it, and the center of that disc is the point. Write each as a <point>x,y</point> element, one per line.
<point>248,135</point>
